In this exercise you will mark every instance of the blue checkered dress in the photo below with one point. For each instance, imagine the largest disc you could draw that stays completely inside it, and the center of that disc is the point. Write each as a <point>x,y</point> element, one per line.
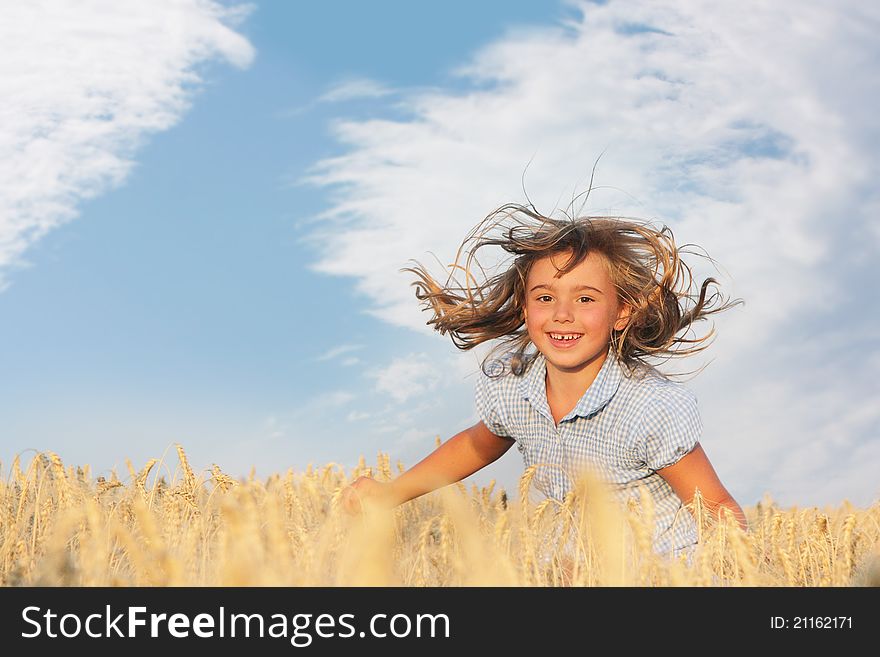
<point>628,426</point>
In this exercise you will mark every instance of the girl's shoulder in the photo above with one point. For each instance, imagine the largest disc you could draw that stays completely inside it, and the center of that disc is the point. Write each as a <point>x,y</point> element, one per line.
<point>661,417</point>
<point>649,385</point>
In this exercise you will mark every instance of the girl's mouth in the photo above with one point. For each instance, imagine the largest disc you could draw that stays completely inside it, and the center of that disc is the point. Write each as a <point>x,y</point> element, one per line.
<point>564,340</point>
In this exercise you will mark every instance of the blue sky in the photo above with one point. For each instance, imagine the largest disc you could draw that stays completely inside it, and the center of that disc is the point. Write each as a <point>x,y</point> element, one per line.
<point>215,263</point>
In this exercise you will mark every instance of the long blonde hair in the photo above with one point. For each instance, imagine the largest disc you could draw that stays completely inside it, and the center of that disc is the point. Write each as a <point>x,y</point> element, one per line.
<point>644,263</point>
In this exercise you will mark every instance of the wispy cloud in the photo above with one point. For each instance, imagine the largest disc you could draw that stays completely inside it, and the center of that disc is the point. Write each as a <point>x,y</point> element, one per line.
<point>289,424</point>
<point>345,91</point>
<point>335,352</point>
<point>82,85</point>
<point>355,89</point>
<point>728,121</point>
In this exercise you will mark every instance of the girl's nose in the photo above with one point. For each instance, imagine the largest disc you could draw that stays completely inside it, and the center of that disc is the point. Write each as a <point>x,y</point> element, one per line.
<point>562,310</point>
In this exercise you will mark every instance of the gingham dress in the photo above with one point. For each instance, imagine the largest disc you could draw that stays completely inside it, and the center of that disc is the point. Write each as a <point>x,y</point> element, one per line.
<point>627,426</point>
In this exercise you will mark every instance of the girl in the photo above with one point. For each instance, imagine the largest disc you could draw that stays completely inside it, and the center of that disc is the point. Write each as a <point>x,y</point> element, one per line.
<point>595,297</point>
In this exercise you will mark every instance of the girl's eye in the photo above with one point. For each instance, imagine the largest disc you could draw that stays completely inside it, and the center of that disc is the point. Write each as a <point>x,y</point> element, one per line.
<point>543,296</point>
<point>587,298</point>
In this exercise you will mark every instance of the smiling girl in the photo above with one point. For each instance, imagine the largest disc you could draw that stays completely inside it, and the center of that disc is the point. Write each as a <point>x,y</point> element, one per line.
<point>580,312</point>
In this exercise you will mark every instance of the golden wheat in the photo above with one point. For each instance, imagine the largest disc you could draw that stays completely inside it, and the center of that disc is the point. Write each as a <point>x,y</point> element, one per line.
<point>62,527</point>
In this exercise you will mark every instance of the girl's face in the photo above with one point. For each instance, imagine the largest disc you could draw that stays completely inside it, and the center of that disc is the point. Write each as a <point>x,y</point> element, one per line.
<point>570,318</point>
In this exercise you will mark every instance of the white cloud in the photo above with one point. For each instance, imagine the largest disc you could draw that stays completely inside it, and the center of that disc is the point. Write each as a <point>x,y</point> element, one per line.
<point>82,84</point>
<point>746,126</point>
<point>407,377</point>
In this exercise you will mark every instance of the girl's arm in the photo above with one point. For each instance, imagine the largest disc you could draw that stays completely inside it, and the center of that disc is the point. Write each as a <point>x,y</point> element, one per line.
<point>694,471</point>
<point>457,458</point>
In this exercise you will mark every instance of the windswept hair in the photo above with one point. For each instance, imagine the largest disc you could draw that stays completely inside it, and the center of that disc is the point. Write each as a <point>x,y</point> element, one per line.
<point>644,264</point>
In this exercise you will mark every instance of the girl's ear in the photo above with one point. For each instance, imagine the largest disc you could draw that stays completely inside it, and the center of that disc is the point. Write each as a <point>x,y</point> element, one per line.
<point>623,316</point>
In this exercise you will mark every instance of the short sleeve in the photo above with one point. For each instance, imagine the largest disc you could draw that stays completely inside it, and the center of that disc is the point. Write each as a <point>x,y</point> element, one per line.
<point>488,409</point>
<point>671,427</point>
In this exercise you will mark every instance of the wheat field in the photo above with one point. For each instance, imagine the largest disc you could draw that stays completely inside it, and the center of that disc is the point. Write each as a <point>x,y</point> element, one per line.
<point>165,525</point>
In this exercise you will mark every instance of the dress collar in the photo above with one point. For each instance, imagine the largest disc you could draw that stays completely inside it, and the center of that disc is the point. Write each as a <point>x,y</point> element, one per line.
<point>533,386</point>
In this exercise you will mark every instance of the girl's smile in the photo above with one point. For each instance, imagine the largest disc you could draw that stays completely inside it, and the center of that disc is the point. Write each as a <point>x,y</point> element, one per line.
<point>564,340</point>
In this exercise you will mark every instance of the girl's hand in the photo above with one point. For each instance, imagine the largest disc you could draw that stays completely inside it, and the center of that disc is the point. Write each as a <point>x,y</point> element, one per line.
<point>366,490</point>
